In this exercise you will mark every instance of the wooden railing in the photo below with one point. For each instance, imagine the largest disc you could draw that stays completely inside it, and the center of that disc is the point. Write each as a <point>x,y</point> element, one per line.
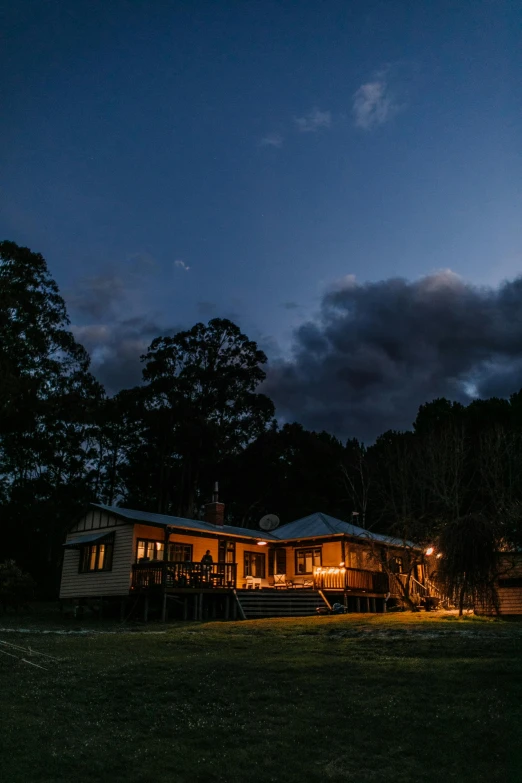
<point>186,574</point>
<point>350,579</point>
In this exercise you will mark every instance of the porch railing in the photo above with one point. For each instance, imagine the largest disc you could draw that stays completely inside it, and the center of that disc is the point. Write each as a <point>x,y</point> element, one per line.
<point>184,574</point>
<point>326,578</point>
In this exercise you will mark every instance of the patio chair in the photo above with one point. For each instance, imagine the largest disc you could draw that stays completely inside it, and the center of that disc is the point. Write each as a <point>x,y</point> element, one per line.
<point>253,582</point>
<point>280,581</point>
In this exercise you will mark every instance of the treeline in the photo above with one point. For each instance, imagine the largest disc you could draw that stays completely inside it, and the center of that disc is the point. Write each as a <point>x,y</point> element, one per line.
<point>200,416</point>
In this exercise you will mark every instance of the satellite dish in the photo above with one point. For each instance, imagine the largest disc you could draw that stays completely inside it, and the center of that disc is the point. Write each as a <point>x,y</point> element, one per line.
<point>269,522</point>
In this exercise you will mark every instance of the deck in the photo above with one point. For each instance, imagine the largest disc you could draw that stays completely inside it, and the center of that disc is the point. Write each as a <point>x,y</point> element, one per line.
<point>176,575</point>
<point>180,576</point>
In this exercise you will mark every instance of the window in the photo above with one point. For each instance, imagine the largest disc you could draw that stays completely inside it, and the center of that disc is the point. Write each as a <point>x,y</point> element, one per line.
<point>96,557</point>
<point>180,553</point>
<point>153,550</point>
<point>226,551</point>
<point>150,550</point>
<point>306,559</point>
<point>277,561</point>
<point>511,582</point>
<point>396,565</point>
<point>255,564</point>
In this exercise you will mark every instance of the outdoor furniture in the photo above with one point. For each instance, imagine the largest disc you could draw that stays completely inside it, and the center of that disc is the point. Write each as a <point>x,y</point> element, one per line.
<point>280,581</point>
<point>253,582</point>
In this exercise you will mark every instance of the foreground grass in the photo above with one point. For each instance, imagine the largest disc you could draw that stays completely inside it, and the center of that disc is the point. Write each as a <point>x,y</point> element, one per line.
<point>356,698</point>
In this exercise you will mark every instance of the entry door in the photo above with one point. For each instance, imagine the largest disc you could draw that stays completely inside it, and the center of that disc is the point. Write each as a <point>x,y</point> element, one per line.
<point>226,551</point>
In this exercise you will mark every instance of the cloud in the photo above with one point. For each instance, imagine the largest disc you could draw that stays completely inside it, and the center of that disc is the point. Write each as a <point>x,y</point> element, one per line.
<point>271,140</point>
<point>115,349</point>
<point>290,305</point>
<point>97,296</point>
<point>181,265</point>
<point>313,121</point>
<point>379,350</point>
<point>373,103</point>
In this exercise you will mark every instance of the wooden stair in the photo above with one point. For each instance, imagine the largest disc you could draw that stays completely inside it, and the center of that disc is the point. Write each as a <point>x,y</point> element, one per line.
<point>279,603</point>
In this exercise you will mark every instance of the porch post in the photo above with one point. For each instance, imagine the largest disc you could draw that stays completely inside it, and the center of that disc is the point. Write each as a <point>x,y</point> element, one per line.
<point>166,537</point>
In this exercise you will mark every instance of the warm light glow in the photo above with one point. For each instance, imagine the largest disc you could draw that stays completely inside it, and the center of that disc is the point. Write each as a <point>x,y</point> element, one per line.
<point>440,554</point>
<point>261,543</point>
<point>341,563</point>
<point>429,550</point>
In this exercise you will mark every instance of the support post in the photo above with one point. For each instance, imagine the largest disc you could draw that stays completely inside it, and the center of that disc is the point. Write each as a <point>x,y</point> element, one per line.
<point>357,604</point>
<point>166,537</point>
<point>373,607</point>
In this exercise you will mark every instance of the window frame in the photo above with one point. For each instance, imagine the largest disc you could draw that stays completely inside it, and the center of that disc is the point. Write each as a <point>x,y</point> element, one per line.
<point>148,541</point>
<point>86,553</point>
<point>226,547</point>
<point>247,572</point>
<point>311,549</point>
<point>183,546</point>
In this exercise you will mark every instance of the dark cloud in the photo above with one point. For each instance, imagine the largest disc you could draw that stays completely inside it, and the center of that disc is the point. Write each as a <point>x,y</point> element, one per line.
<point>97,297</point>
<point>379,350</point>
<point>115,349</point>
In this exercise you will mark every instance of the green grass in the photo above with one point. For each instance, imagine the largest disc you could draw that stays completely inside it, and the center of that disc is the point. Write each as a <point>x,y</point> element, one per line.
<point>410,698</point>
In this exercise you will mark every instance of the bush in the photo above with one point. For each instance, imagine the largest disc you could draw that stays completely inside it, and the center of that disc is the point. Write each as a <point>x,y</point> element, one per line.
<point>16,587</point>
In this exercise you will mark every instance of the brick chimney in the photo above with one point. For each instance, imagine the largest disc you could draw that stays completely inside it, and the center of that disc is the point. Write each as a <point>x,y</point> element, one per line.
<point>215,511</point>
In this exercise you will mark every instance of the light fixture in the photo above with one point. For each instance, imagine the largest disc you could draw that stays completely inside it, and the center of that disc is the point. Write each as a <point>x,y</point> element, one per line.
<point>261,543</point>
<point>440,554</point>
<point>341,563</point>
<point>429,550</point>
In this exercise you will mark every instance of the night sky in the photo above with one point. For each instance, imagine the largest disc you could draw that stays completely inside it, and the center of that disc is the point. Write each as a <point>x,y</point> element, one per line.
<point>342,179</point>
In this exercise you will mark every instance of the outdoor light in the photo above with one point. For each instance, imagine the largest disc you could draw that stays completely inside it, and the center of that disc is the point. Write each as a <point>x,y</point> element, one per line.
<point>440,554</point>
<point>429,551</point>
<point>341,563</point>
<point>261,543</point>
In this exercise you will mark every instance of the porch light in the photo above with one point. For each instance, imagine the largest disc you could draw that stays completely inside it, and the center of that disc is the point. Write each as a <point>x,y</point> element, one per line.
<point>429,550</point>
<point>261,543</point>
<point>341,563</point>
<point>440,554</point>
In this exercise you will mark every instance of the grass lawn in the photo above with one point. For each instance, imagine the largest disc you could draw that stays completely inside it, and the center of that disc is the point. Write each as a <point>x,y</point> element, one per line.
<point>410,698</point>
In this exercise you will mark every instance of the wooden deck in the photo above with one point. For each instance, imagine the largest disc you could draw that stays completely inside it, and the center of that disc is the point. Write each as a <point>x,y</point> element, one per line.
<point>183,576</point>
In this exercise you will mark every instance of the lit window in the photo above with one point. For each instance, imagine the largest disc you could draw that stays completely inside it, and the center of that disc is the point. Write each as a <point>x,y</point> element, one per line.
<point>254,564</point>
<point>306,559</point>
<point>96,557</point>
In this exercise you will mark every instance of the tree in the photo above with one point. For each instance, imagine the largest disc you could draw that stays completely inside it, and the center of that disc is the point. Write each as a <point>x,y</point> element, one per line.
<point>469,554</point>
<point>202,403</point>
<point>47,412</point>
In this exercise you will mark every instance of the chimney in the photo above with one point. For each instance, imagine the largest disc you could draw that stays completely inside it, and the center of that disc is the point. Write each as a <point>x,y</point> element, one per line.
<point>215,511</point>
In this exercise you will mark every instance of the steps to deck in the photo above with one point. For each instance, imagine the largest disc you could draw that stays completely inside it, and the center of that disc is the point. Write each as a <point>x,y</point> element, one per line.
<point>279,603</point>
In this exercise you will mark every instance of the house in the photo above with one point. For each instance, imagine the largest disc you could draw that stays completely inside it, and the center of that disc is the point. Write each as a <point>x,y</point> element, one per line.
<point>157,562</point>
<point>508,585</point>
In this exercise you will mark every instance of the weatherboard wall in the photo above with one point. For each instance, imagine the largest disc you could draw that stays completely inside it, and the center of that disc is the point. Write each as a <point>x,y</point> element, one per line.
<point>98,583</point>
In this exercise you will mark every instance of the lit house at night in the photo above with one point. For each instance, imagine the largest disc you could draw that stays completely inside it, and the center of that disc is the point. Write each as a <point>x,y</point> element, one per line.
<point>195,569</point>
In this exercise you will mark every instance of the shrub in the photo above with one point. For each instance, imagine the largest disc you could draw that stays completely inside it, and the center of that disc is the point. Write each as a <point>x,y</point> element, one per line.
<point>16,587</point>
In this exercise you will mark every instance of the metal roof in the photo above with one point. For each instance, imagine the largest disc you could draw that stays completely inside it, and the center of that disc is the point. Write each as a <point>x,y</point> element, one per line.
<point>313,526</point>
<point>185,524</point>
<point>319,524</point>
<point>73,543</point>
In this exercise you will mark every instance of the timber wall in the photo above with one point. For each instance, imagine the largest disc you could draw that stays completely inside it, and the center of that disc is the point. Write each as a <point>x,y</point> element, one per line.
<point>99,583</point>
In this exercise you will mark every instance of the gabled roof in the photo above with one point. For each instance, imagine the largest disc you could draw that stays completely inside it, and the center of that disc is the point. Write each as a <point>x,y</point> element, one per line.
<point>318,525</point>
<point>185,524</point>
<point>315,525</point>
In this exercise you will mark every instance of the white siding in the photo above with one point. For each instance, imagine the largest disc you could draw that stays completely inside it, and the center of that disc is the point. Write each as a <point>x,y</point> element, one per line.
<point>99,583</point>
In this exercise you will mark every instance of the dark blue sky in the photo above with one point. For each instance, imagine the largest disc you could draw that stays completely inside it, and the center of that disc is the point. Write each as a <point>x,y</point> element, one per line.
<point>175,161</point>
